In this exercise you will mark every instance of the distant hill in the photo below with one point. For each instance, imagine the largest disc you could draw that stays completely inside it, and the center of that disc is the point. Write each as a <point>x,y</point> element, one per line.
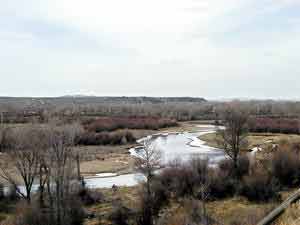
<point>28,102</point>
<point>139,99</point>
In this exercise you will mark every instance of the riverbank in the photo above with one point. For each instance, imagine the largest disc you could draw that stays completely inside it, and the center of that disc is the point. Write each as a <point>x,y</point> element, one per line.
<point>265,141</point>
<point>117,159</point>
<point>119,163</point>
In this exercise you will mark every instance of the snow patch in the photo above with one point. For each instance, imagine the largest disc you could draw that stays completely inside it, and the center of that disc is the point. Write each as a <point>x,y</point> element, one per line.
<point>101,175</point>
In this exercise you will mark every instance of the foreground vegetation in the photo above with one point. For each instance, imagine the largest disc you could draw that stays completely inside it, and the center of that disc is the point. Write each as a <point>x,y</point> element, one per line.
<point>61,148</point>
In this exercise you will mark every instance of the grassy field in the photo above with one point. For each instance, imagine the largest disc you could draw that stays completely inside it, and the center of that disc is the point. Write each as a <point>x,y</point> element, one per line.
<point>290,216</point>
<point>127,196</point>
<point>254,139</point>
<point>228,210</point>
<point>115,163</point>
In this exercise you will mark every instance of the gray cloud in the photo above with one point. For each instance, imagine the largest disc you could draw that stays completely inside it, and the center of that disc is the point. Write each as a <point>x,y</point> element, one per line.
<point>205,48</point>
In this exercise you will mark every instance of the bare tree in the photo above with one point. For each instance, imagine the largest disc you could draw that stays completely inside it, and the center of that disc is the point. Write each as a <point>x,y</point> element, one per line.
<point>2,134</point>
<point>234,136</point>
<point>1,146</point>
<point>44,168</point>
<point>62,167</point>
<point>4,130</point>
<point>23,159</point>
<point>148,161</point>
<point>202,188</point>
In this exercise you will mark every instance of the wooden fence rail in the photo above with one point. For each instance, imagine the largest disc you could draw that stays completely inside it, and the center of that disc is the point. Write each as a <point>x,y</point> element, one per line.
<point>280,209</point>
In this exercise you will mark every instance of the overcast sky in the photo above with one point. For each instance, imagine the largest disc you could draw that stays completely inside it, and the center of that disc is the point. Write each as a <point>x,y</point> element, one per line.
<point>208,48</point>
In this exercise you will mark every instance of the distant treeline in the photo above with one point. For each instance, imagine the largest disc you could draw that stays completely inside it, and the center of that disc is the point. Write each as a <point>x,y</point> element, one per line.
<point>275,125</point>
<point>86,100</point>
<point>70,109</point>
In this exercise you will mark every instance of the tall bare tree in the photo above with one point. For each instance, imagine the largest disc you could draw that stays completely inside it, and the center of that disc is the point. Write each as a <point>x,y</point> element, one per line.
<point>201,172</point>
<point>234,136</point>
<point>23,159</point>
<point>2,134</point>
<point>62,167</point>
<point>4,130</point>
<point>148,160</point>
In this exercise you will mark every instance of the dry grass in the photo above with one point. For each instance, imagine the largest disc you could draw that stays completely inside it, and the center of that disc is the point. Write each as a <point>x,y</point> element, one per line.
<point>225,211</point>
<point>238,210</point>
<point>291,216</point>
<point>126,195</point>
<point>210,139</point>
<point>115,163</point>
<point>255,139</point>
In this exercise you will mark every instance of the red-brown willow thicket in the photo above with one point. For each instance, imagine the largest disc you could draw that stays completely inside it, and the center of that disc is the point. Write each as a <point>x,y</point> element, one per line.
<point>275,125</point>
<point>114,123</point>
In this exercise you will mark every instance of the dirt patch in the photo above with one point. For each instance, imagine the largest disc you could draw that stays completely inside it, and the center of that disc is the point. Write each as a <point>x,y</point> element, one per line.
<point>114,163</point>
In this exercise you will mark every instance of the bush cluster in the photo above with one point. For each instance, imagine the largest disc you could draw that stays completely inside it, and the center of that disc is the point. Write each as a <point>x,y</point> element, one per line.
<point>106,138</point>
<point>191,179</point>
<point>113,123</point>
<point>90,197</point>
<point>260,186</point>
<point>227,166</point>
<point>120,215</point>
<point>222,185</point>
<point>285,167</point>
<point>182,180</point>
<point>35,215</point>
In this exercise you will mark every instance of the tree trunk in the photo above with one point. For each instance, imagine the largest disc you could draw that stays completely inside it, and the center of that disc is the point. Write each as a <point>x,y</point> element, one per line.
<point>58,201</point>
<point>1,191</point>
<point>28,194</point>
<point>78,167</point>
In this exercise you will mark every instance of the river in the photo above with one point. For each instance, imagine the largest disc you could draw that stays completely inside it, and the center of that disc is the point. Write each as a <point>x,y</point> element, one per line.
<point>172,146</point>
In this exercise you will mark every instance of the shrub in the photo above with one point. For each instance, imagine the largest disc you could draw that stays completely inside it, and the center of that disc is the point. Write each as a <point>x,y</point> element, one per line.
<point>12,194</point>
<point>145,215</point>
<point>75,213</point>
<point>189,179</point>
<point>190,212</point>
<point>160,196</point>
<point>200,169</point>
<point>243,165</point>
<point>259,187</point>
<point>221,185</point>
<point>227,166</point>
<point>178,180</point>
<point>286,167</point>
<point>90,197</point>
<point>34,215</point>
<point>184,179</point>
<point>106,138</point>
<point>119,215</point>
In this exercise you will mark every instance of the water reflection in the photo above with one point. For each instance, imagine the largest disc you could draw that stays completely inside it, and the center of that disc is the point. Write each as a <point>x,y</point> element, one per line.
<point>173,146</point>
